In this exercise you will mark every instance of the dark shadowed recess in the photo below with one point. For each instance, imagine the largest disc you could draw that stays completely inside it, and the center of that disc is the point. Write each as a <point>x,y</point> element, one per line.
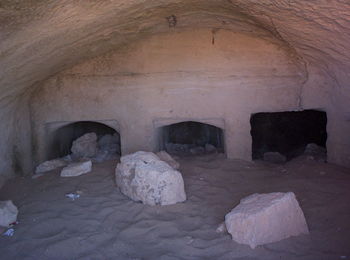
<point>64,136</point>
<point>287,132</point>
<point>193,134</point>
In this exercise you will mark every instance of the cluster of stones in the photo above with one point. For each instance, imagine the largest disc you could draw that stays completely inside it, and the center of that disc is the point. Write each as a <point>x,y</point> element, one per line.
<point>154,179</point>
<point>85,150</point>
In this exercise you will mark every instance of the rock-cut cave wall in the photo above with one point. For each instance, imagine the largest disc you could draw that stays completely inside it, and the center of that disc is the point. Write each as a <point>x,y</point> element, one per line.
<point>179,76</point>
<point>40,39</point>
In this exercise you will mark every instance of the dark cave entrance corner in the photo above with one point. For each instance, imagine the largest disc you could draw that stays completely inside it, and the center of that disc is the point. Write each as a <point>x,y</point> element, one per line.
<point>287,132</point>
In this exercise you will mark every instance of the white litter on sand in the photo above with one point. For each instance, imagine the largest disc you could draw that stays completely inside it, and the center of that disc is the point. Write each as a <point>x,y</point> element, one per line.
<point>9,233</point>
<point>73,196</point>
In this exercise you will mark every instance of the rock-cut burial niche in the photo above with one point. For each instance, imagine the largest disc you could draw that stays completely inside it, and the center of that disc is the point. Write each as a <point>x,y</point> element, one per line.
<point>289,133</point>
<point>108,139</point>
<point>191,138</point>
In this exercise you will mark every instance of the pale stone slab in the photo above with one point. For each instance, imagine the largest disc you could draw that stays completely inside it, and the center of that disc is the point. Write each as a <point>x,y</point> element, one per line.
<point>50,165</point>
<point>76,169</point>
<point>142,176</point>
<point>8,213</point>
<point>265,218</point>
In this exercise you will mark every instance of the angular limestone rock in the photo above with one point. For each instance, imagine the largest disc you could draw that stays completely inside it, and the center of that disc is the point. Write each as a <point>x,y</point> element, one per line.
<point>142,176</point>
<point>164,156</point>
<point>8,213</point>
<point>265,218</point>
<point>274,157</point>
<point>76,169</point>
<point>85,146</point>
<point>50,165</point>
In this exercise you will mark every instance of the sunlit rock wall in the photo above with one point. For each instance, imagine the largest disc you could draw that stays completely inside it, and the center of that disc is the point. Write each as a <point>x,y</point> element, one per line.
<point>197,75</point>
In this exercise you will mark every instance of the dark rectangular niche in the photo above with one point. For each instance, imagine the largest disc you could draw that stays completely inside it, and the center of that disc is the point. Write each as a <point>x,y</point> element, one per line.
<point>287,132</point>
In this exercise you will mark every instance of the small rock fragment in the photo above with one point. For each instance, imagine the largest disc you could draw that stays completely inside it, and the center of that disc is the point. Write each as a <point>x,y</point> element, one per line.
<point>8,213</point>
<point>50,165</point>
<point>274,157</point>
<point>221,228</point>
<point>76,169</point>
<point>197,150</point>
<point>316,152</point>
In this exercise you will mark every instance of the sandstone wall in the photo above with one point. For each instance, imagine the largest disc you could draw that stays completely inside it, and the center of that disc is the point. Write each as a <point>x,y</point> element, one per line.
<point>189,75</point>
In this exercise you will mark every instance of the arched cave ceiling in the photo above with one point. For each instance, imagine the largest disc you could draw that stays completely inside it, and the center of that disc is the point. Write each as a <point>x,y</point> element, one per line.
<point>40,38</point>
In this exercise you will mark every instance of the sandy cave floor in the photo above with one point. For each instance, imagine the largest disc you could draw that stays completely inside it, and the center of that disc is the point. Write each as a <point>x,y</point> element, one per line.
<point>104,224</point>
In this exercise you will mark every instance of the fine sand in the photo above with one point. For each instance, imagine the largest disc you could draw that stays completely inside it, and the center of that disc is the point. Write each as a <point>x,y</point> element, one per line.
<point>104,224</point>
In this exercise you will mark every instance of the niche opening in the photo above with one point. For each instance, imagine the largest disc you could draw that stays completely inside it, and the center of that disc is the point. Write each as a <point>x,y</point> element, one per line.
<point>287,132</point>
<point>63,138</point>
<point>191,138</point>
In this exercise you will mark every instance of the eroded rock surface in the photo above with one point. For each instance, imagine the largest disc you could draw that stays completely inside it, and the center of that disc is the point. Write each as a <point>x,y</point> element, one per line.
<point>265,218</point>
<point>142,176</point>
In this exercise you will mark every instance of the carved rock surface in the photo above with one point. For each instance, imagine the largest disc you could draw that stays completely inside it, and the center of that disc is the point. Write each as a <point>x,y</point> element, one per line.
<point>50,36</point>
<point>142,176</point>
<point>265,218</point>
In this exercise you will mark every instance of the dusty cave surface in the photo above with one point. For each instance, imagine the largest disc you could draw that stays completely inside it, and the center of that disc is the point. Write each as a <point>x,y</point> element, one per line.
<point>105,224</point>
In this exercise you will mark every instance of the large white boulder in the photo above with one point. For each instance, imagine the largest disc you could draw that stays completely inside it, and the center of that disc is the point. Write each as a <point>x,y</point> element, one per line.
<point>8,213</point>
<point>142,176</point>
<point>50,165</point>
<point>85,146</point>
<point>164,156</point>
<point>265,218</point>
<point>76,169</point>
